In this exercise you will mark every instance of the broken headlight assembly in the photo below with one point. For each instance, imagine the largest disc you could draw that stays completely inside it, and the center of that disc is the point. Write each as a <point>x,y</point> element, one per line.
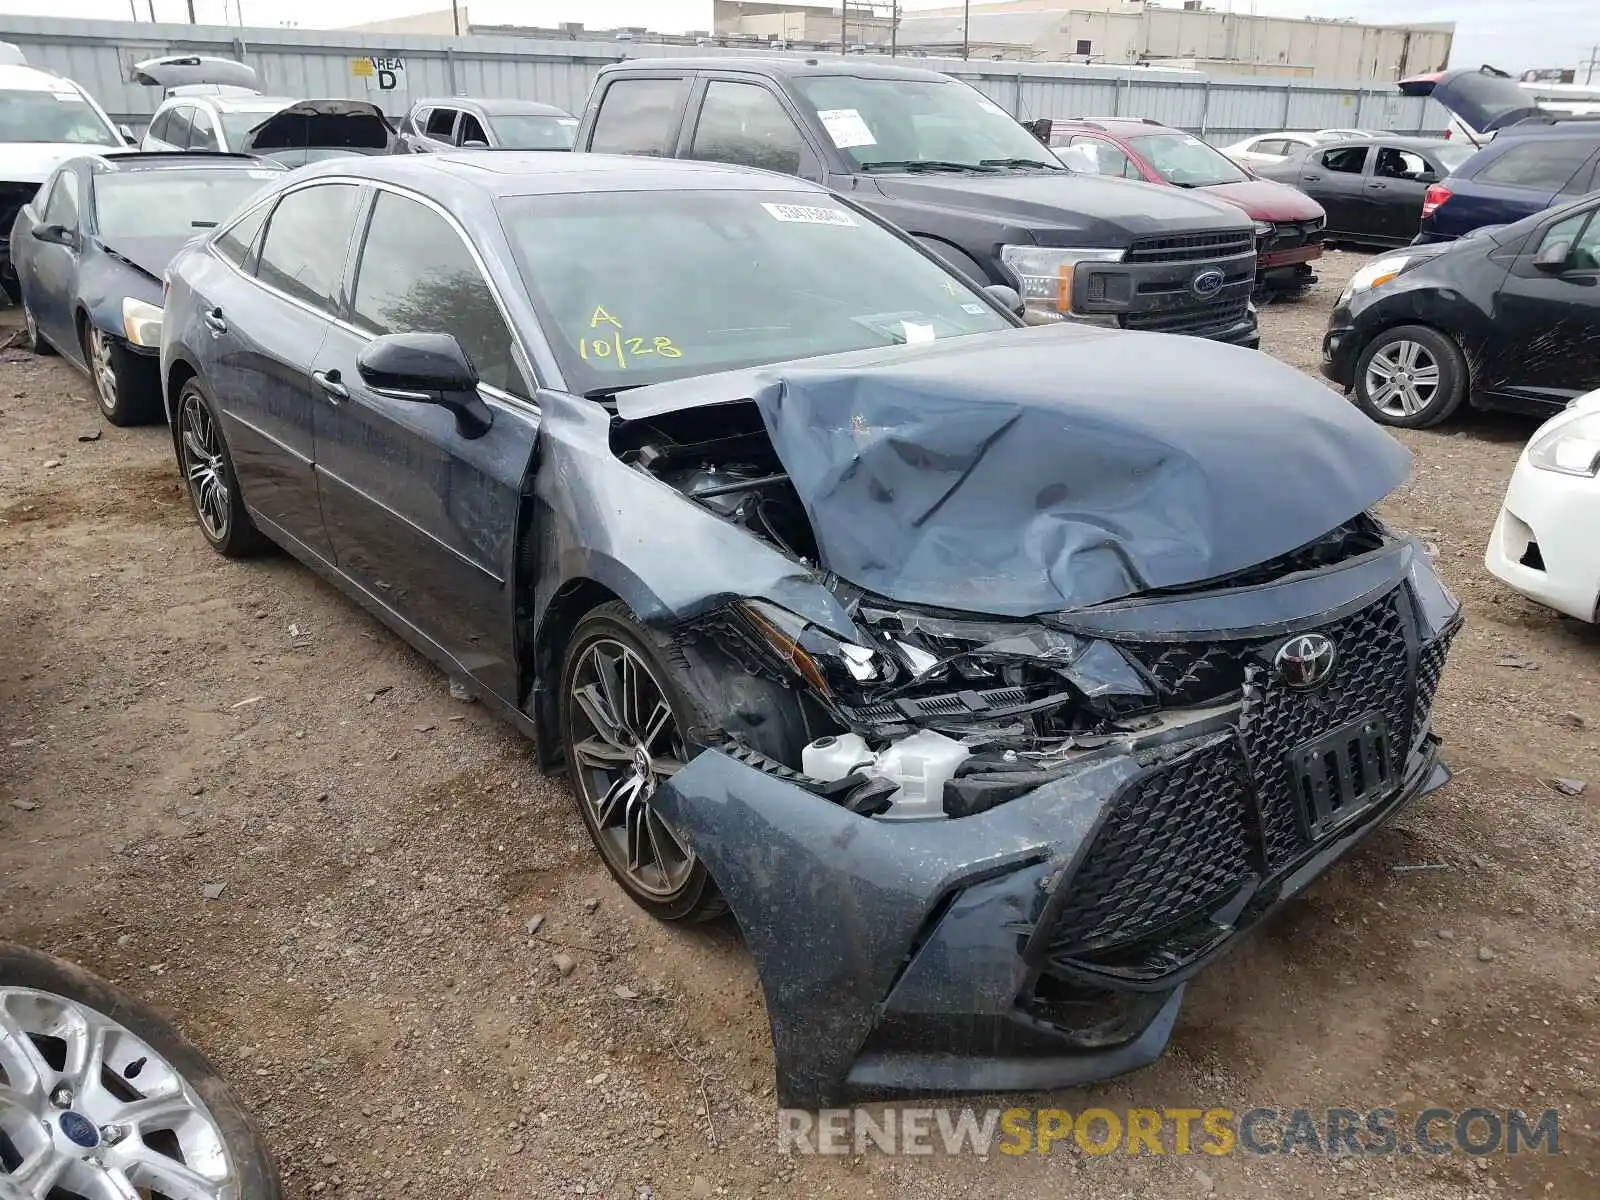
<point>830,666</point>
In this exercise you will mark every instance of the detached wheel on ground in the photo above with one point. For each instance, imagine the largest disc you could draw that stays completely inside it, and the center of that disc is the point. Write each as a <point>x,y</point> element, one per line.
<point>127,386</point>
<point>100,1096</point>
<point>208,474</point>
<point>627,727</point>
<point>30,326</point>
<point>1411,377</point>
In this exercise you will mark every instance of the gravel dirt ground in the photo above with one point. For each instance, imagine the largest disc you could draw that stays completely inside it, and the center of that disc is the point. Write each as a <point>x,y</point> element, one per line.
<point>175,724</point>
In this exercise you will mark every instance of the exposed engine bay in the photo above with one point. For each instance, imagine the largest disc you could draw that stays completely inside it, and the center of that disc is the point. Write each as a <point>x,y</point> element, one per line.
<point>933,714</point>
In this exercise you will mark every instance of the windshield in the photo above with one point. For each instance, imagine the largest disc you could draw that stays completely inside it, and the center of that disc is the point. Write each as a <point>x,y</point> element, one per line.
<point>895,123</point>
<point>238,122</point>
<point>526,132</point>
<point>1185,160</point>
<point>640,287</point>
<point>166,203</point>
<point>64,116</point>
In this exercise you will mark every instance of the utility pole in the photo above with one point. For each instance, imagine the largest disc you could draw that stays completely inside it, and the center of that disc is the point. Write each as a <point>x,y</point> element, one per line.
<point>966,27</point>
<point>455,16</point>
<point>894,25</point>
<point>191,12</point>
<point>1594,61</point>
<point>844,27</point>
<point>133,8</point>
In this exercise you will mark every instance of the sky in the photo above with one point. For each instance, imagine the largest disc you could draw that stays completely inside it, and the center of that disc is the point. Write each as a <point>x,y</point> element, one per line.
<point>1513,34</point>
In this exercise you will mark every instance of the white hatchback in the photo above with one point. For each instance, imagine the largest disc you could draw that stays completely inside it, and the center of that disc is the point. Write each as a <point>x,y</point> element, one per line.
<point>1545,542</point>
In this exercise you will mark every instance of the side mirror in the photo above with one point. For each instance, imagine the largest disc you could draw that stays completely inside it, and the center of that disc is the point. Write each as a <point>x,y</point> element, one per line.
<point>127,136</point>
<point>1552,259</point>
<point>474,144</point>
<point>427,368</point>
<point>1006,297</point>
<point>56,235</point>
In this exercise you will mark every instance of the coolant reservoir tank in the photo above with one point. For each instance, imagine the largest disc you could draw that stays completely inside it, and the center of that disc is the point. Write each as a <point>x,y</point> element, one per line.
<point>920,764</point>
<point>830,758</point>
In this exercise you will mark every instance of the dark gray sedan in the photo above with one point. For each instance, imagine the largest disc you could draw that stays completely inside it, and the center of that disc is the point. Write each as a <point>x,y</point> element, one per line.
<point>961,661</point>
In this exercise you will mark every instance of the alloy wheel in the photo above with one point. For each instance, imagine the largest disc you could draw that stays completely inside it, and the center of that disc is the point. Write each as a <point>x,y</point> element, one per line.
<point>626,741</point>
<point>101,370</point>
<point>88,1109</point>
<point>1402,379</point>
<point>203,466</point>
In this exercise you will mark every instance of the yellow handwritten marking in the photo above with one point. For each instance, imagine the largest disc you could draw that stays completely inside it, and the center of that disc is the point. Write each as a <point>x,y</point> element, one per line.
<point>666,349</point>
<point>602,317</point>
<point>622,359</point>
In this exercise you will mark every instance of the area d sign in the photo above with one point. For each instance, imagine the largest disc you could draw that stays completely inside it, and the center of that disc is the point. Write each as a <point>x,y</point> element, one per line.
<point>385,70</point>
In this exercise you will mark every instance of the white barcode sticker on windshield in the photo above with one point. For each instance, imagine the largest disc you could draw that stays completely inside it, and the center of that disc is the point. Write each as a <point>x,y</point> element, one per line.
<point>806,214</point>
<point>976,310</point>
<point>915,331</point>
<point>846,128</point>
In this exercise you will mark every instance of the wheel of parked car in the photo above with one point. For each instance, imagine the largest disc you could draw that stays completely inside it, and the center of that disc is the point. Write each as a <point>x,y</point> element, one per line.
<point>125,387</point>
<point>626,727</point>
<point>30,328</point>
<point>101,1096</point>
<point>1411,376</point>
<point>208,470</point>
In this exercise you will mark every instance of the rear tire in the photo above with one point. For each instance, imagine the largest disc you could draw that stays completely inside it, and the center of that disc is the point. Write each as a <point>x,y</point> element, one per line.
<point>1411,377</point>
<point>126,385</point>
<point>621,740</point>
<point>209,477</point>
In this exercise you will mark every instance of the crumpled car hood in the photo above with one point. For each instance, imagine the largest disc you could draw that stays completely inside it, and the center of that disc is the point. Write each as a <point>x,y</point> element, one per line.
<point>1040,470</point>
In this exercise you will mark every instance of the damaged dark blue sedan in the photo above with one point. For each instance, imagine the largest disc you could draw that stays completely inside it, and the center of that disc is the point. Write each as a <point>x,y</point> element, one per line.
<point>996,679</point>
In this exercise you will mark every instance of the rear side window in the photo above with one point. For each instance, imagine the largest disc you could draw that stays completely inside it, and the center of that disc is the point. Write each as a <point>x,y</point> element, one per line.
<point>304,252</point>
<point>178,122</point>
<point>161,125</point>
<point>203,133</point>
<point>638,116</point>
<point>441,123</point>
<point>471,131</point>
<point>744,123</point>
<point>1541,164</point>
<point>236,242</point>
<point>417,276</point>
<point>1348,161</point>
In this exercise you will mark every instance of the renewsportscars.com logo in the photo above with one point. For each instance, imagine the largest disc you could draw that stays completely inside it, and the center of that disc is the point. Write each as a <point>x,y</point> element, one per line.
<point>1332,1132</point>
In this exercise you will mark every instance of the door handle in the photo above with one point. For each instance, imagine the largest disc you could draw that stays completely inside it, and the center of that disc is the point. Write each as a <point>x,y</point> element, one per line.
<point>1311,178</point>
<point>216,322</point>
<point>329,382</point>
<point>1379,187</point>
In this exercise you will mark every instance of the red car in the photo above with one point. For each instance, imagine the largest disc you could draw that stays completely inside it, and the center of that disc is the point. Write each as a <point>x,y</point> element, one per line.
<point>1289,223</point>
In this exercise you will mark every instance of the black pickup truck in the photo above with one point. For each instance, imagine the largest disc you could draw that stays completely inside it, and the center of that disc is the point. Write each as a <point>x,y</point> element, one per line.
<point>953,169</point>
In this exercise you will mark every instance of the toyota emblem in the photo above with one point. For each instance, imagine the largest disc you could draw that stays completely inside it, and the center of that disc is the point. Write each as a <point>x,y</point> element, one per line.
<point>1207,284</point>
<point>1306,661</point>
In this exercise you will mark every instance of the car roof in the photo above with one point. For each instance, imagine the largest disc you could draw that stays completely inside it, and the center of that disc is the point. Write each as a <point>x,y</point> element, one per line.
<point>124,162</point>
<point>782,67</point>
<point>495,105</point>
<point>498,173</point>
<point>1116,126</point>
<point>1402,143</point>
<point>32,79</point>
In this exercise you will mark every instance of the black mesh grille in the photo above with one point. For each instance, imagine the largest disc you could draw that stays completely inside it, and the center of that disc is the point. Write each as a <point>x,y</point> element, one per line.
<point>1197,319</point>
<point>1170,847</point>
<point>1189,832</point>
<point>1191,247</point>
<point>1430,666</point>
<point>1372,675</point>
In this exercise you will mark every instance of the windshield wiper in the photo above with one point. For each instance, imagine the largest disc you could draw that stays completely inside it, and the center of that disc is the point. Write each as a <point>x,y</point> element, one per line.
<point>925,164</point>
<point>606,393</point>
<point>1018,162</point>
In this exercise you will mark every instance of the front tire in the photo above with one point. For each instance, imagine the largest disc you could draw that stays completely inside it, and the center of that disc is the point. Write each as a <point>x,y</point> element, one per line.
<point>1411,377</point>
<point>209,477</point>
<point>124,384</point>
<point>627,726</point>
<point>89,1068</point>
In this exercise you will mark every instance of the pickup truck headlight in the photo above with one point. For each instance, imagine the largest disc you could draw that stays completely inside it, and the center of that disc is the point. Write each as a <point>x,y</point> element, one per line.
<point>1375,274</point>
<point>141,322</point>
<point>1571,448</point>
<point>1263,229</point>
<point>1044,277</point>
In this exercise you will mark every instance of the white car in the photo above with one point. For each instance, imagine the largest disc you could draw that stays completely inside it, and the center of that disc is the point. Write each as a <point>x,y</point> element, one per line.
<point>1269,148</point>
<point>208,122</point>
<point>45,119</point>
<point>1545,542</point>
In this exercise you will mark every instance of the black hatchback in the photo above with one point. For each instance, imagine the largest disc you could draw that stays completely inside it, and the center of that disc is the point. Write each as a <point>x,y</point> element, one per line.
<point>1506,317</point>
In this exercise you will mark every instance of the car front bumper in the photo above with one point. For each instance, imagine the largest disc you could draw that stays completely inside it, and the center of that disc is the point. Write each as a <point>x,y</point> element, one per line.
<point>1341,347</point>
<point>1044,942</point>
<point>1544,542</point>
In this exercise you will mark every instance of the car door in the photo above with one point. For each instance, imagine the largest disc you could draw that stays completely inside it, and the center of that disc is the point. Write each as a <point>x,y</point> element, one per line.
<point>52,267</point>
<point>1109,158</point>
<point>439,130</point>
<point>1547,319</point>
<point>266,321</point>
<point>1336,178</point>
<point>1394,191</point>
<point>636,114</point>
<point>422,511</point>
<point>745,122</point>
